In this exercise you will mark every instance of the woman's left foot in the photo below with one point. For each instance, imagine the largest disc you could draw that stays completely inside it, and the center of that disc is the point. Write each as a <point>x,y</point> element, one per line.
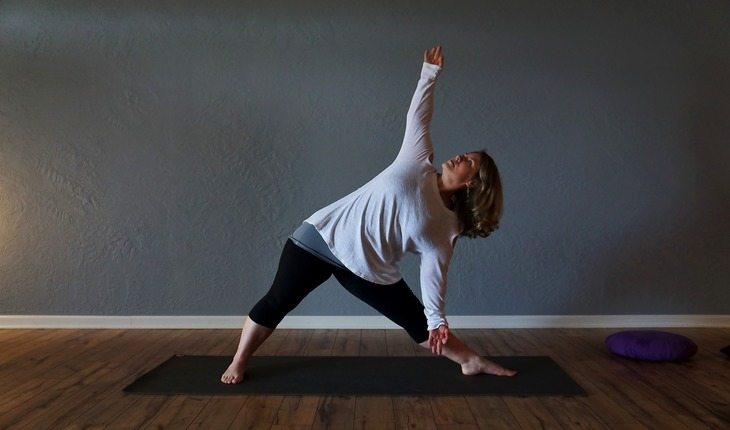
<point>234,373</point>
<point>481,365</point>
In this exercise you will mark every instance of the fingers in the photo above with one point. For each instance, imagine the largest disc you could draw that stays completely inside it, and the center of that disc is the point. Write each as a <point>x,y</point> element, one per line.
<point>436,347</point>
<point>434,343</point>
<point>434,56</point>
<point>437,338</point>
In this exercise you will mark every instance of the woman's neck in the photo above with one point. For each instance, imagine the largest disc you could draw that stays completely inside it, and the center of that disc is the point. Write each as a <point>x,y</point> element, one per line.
<point>445,193</point>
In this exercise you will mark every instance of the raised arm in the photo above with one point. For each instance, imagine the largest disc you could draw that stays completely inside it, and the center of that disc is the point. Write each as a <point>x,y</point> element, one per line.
<point>417,139</point>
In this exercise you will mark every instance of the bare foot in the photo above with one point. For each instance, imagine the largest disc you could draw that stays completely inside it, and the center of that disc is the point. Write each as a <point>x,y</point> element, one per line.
<point>234,373</point>
<point>482,365</point>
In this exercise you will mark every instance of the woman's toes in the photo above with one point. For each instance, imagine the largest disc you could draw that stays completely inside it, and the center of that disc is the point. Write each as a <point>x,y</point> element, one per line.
<point>507,372</point>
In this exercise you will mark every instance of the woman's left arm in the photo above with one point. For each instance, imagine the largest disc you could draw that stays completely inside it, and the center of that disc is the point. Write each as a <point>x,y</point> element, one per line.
<point>417,138</point>
<point>434,56</point>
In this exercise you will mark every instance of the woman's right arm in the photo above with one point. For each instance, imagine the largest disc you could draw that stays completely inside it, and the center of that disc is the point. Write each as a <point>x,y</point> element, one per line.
<point>417,140</point>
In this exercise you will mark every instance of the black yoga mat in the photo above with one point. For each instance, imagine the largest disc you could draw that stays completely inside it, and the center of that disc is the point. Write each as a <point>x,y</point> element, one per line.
<point>390,376</point>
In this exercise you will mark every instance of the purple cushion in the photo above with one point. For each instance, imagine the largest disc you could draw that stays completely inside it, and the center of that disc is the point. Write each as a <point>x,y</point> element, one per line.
<point>651,345</point>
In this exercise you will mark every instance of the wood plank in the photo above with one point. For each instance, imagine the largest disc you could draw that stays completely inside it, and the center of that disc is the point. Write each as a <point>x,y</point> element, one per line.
<point>297,411</point>
<point>374,413</point>
<point>372,343</point>
<point>490,412</point>
<point>572,413</point>
<point>10,338</point>
<point>36,339</point>
<point>140,411</point>
<point>20,394</point>
<point>64,405</point>
<point>295,342</point>
<point>223,343</point>
<point>179,412</point>
<point>289,427</point>
<point>205,338</point>
<point>218,413</point>
<point>102,412</point>
<point>398,343</point>
<point>347,343</point>
<point>452,412</point>
<point>532,413</point>
<point>34,407</point>
<point>109,404</point>
<point>35,353</point>
<point>321,343</point>
<point>413,412</point>
<point>512,342</point>
<point>500,342</point>
<point>97,403</point>
<point>258,412</point>
<point>335,412</point>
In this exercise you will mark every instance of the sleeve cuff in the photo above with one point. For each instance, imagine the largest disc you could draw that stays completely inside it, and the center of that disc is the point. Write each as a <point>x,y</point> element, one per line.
<point>430,71</point>
<point>433,325</point>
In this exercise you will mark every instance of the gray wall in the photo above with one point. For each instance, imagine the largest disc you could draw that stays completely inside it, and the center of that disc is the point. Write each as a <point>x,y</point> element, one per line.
<point>154,156</point>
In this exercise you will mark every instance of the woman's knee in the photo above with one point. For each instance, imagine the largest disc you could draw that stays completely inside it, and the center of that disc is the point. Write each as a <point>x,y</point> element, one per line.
<point>420,337</point>
<point>267,312</point>
<point>298,274</point>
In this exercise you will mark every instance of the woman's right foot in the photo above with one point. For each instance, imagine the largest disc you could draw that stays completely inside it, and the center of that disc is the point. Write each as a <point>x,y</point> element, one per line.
<point>234,373</point>
<point>482,365</point>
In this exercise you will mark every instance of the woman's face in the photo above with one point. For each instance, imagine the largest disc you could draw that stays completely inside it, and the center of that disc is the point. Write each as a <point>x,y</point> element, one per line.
<point>460,169</point>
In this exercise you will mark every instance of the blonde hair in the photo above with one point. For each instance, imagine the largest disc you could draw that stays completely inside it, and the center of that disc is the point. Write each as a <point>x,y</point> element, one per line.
<point>480,208</point>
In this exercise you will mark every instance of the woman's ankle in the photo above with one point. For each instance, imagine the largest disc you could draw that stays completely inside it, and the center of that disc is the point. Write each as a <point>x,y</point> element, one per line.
<point>239,359</point>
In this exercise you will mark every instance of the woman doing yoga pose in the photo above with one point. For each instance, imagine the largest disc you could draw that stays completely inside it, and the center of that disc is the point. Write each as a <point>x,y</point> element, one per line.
<point>408,207</point>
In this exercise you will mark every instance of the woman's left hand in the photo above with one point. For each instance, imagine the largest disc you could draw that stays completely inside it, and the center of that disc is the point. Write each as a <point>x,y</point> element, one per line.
<point>434,56</point>
<point>437,338</point>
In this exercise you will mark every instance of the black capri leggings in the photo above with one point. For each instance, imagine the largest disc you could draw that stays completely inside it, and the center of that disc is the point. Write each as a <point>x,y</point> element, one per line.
<point>300,273</point>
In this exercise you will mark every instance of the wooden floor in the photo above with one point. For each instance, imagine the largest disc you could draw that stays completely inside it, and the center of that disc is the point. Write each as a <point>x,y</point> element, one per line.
<point>73,379</point>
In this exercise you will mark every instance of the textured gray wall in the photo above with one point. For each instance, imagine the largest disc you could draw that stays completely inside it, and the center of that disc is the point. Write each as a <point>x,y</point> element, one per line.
<point>154,156</point>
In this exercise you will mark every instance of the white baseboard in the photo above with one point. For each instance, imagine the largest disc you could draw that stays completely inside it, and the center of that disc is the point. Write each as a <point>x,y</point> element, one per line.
<point>359,322</point>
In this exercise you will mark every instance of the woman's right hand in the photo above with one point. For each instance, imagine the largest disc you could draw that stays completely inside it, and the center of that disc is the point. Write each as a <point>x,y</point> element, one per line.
<point>433,56</point>
<point>437,338</point>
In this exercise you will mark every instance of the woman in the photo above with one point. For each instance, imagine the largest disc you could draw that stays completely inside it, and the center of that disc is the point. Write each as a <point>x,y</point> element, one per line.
<point>360,239</point>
